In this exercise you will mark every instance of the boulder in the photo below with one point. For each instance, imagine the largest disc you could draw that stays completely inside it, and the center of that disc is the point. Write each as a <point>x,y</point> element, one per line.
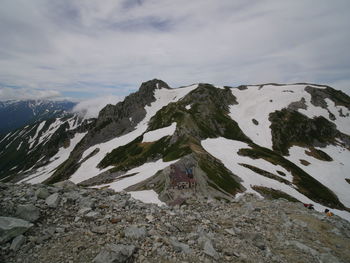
<point>11,227</point>
<point>135,232</point>
<point>210,250</point>
<point>28,212</point>
<point>17,242</point>
<point>180,247</point>
<point>115,254</point>
<point>42,193</point>
<point>53,200</point>
<point>92,215</point>
<point>68,185</point>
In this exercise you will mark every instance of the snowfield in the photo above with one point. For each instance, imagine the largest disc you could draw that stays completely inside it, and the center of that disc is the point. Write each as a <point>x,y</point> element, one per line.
<point>138,175</point>
<point>331,174</point>
<point>257,103</point>
<point>159,133</point>
<point>142,173</point>
<point>32,139</point>
<point>227,152</point>
<point>163,97</point>
<point>147,196</point>
<point>46,171</point>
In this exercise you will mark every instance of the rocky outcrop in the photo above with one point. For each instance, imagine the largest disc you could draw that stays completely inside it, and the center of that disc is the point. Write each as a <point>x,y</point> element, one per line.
<point>112,121</point>
<point>89,225</point>
<point>319,96</point>
<point>289,127</point>
<point>115,120</point>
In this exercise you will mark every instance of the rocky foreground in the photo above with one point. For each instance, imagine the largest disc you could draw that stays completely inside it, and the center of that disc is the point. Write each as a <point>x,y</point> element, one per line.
<point>66,223</point>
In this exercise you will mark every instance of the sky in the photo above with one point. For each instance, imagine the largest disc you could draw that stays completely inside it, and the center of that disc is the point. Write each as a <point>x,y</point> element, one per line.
<point>88,50</point>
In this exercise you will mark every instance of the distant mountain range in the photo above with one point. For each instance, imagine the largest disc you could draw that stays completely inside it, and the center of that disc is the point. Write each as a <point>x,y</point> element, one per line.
<point>16,114</point>
<point>199,141</point>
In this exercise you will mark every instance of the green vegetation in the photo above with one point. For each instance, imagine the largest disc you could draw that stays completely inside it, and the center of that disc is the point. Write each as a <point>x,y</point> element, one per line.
<point>207,118</point>
<point>167,115</point>
<point>339,97</point>
<point>273,194</point>
<point>136,153</point>
<point>63,171</point>
<point>318,154</point>
<point>307,185</point>
<point>304,162</point>
<point>220,176</point>
<point>281,173</point>
<point>265,173</point>
<point>290,128</point>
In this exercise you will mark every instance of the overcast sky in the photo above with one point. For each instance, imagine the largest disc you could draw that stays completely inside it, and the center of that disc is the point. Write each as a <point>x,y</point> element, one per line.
<point>86,49</point>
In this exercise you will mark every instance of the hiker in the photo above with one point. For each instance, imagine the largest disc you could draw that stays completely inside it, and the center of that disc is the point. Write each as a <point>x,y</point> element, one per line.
<point>328,213</point>
<point>309,206</point>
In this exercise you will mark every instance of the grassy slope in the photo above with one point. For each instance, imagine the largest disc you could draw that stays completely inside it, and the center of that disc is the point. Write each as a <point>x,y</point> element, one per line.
<point>207,118</point>
<point>306,184</point>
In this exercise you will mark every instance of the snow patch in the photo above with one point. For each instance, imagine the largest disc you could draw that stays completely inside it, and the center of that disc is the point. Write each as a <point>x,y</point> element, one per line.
<point>147,196</point>
<point>5,137</point>
<point>32,139</point>
<point>50,131</point>
<point>142,173</point>
<point>257,103</point>
<point>188,107</point>
<point>163,97</point>
<point>46,171</point>
<point>19,146</point>
<point>227,152</point>
<point>160,133</point>
<point>331,174</point>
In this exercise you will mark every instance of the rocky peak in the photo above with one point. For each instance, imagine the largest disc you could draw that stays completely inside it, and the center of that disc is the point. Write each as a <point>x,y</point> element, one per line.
<point>151,85</point>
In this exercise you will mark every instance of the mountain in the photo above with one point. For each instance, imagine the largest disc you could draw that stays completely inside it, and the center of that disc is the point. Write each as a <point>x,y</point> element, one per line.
<point>199,142</point>
<point>16,114</point>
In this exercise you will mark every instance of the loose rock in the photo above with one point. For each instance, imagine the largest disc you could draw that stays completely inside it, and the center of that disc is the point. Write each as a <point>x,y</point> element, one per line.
<point>17,242</point>
<point>52,200</point>
<point>115,254</point>
<point>28,212</point>
<point>11,227</point>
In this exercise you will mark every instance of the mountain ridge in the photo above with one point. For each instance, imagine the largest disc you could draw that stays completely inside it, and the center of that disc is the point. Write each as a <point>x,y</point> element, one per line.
<point>18,113</point>
<point>260,122</point>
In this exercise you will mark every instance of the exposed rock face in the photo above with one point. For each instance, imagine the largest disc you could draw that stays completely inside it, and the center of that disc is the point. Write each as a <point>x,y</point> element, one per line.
<point>125,230</point>
<point>198,113</point>
<point>112,121</point>
<point>319,96</point>
<point>293,128</point>
<point>115,120</point>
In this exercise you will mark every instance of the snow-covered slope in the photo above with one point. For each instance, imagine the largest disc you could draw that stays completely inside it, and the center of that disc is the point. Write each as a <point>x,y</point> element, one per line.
<point>89,168</point>
<point>16,114</point>
<point>227,151</point>
<point>36,145</point>
<point>257,102</point>
<point>289,141</point>
<point>44,172</point>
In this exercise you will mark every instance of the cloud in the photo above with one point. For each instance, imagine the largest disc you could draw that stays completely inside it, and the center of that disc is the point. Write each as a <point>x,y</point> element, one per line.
<point>91,108</point>
<point>81,46</point>
<point>7,93</point>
